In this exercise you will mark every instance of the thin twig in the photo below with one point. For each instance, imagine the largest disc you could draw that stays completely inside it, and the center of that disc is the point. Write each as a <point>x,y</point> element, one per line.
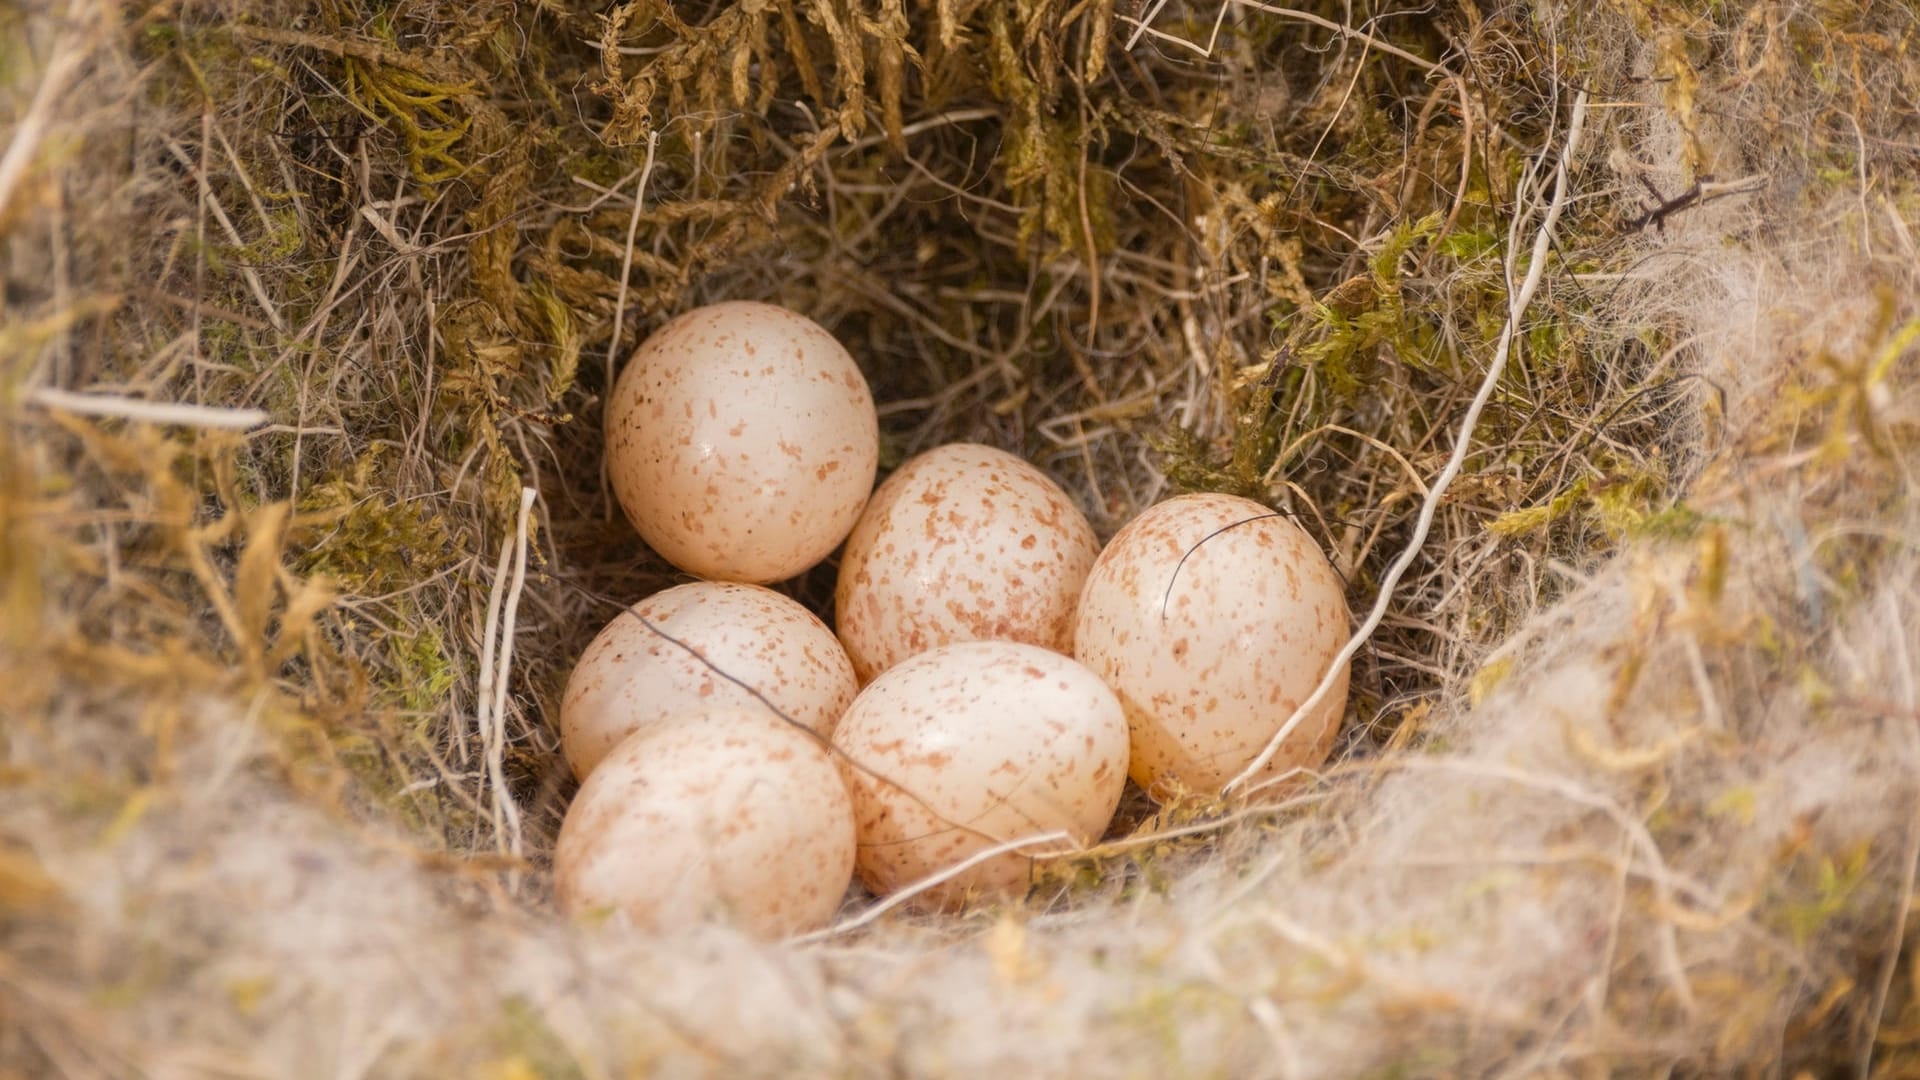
<point>1704,190</point>
<point>343,47</point>
<point>254,285</point>
<point>1141,28</point>
<point>152,412</point>
<point>1218,824</point>
<point>929,882</point>
<point>1518,301</point>
<point>24,147</point>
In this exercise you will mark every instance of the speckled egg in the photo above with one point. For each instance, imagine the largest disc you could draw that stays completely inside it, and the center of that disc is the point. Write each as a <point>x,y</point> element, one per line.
<point>742,442</point>
<point>972,745</point>
<point>1213,618</point>
<point>721,814</point>
<point>703,645</point>
<point>962,543</point>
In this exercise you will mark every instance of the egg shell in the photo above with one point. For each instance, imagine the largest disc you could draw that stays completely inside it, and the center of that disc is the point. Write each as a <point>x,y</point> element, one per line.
<point>722,814</point>
<point>742,442</point>
<point>1212,654</point>
<point>752,644</point>
<point>963,543</point>
<point>972,745</point>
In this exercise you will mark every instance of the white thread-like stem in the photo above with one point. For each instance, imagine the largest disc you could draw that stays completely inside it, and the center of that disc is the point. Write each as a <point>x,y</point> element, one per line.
<point>152,412</point>
<point>620,306</point>
<point>68,58</point>
<point>929,882</point>
<point>626,261</point>
<point>483,694</point>
<point>1517,303</point>
<point>497,736</point>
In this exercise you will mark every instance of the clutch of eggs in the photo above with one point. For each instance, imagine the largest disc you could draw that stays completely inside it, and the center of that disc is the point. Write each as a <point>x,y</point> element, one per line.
<point>1201,626</point>
<point>1014,672</point>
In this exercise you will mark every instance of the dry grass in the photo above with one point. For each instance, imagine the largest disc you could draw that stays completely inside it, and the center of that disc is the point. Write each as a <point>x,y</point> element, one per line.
<point>301,300</point>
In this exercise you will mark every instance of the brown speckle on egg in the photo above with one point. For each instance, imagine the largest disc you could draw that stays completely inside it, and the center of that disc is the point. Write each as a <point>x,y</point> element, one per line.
<point>962,543</point>
<point>963,748</point>
<point>701,450</point>
<point>751,644</point>
<point>1207,660</point>
<point>721,814</point>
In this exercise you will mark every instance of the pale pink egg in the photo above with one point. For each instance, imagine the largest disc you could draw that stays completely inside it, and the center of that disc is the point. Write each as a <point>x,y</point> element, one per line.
<point>703,645</point>
<point>742,442</point>
<point>972,745</point>
<point>722,815</point>
<point>962,543</point>
<point>1213,618</point>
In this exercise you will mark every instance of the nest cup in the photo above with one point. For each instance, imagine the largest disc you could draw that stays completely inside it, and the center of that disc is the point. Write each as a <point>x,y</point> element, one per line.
<point>1580,339</point>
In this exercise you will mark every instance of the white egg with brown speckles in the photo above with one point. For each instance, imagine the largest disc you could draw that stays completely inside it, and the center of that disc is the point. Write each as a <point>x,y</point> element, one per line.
<point>1213,618</point>
<point>973,745</point>
<point>742,442</point>
<point>703,645</point>
<point>963,543</point>
<point>722,815</point>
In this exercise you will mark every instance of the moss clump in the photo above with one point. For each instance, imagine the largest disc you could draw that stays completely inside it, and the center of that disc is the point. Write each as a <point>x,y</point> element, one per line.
<point>349,530</point>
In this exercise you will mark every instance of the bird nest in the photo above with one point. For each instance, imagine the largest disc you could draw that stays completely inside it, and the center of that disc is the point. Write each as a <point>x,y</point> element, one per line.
<point>1580,337</point>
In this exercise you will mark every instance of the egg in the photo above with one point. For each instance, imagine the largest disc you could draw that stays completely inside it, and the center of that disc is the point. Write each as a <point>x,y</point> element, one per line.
<point>1213,618</point>
<point>972,745</point>
<point>709,644</point>
<point>742,442</point>
<point>962,543</point>
<point>716,815</point>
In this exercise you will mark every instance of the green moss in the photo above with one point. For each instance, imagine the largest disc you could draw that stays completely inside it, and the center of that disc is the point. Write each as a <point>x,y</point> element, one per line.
<point>1047,147</point>
<point>1164,1013</point>
<point>1676,522</point>
<point>1821,889</point>
<point>367,541</point>
<point>1536,518</point>
<point>423,673</point>
<point>527,1046</point>
<point>601,166</point>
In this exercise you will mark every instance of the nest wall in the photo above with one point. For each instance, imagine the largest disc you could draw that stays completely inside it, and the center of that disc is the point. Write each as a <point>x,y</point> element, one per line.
<point>1629,784</point>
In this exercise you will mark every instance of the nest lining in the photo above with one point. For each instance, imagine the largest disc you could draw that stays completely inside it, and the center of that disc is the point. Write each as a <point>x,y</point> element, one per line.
<point>1627,784</point>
